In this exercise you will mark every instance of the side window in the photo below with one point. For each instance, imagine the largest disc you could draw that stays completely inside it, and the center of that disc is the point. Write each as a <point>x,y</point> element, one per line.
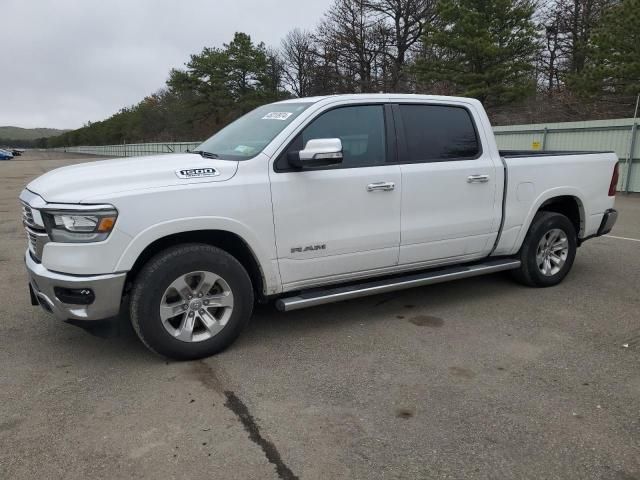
<point>436,133</point>
<point>360,128</point>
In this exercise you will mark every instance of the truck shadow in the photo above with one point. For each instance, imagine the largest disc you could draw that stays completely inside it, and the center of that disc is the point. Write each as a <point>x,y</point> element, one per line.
<point>268,322</point>
<point>115,327</point>
<point>270,325</point>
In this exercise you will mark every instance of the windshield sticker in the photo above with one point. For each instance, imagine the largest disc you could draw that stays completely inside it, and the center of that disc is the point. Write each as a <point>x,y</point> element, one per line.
<point>277,116</point>
<point>244,150</point>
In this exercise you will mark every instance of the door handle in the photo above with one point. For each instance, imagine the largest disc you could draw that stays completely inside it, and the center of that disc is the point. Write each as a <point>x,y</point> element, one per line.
<point>477,178</point>
<point>381,187</point>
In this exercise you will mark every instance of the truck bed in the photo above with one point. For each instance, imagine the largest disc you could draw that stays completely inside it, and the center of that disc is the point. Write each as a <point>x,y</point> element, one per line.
<point>584,176</point>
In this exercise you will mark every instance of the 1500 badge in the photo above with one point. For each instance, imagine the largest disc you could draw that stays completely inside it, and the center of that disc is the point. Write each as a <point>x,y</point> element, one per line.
<point>197,173</point>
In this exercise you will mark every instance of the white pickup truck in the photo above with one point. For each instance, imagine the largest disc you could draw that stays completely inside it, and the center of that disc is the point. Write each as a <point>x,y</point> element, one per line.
<point>304,202</point>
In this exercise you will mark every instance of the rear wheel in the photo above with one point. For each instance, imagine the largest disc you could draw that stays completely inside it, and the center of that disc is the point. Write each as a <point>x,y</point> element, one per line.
<point>548,250</point>
<point>191,301</point>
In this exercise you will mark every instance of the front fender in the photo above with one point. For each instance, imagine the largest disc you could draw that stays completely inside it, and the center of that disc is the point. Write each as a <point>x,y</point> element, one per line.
<point>155,232</point>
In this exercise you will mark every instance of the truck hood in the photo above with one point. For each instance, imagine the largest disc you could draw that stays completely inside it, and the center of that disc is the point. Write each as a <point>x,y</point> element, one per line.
<point>79,183</point>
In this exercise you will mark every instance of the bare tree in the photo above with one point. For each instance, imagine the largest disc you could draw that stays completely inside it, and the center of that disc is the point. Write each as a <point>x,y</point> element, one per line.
<point>568,27</point>
<point>406,19</point>
<point>298,58</point>
<point>358,36</point>
<point>328,77</point>
<point>578,21</point>
<point>275,73</point>
<point>551,57</point>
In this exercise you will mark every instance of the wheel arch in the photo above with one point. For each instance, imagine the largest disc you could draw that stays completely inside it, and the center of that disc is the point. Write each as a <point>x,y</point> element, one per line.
<point>567,201</point>
<point>146,245</point>
<point>570,206</point>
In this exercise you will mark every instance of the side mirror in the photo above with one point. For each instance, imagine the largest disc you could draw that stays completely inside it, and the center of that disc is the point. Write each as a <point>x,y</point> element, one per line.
<point>321,152</point>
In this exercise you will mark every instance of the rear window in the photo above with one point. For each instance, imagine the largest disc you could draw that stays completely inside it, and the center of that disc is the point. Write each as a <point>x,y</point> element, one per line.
<point>438,133</point>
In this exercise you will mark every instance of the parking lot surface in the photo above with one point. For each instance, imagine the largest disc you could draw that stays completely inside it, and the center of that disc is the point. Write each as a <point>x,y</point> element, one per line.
<point>480,378</point>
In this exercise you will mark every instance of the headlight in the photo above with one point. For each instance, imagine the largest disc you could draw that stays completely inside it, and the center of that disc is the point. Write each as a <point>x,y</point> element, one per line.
<point>68,226</point>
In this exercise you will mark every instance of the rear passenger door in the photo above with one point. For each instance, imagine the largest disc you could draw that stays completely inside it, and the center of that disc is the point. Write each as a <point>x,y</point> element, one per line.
<point>450,209</point>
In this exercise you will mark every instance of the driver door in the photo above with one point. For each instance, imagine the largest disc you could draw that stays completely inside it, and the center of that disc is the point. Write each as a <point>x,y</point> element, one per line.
<point>333,223</point>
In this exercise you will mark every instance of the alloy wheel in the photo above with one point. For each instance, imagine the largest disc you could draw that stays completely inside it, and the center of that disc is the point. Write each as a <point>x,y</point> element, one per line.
<point>196,306</point>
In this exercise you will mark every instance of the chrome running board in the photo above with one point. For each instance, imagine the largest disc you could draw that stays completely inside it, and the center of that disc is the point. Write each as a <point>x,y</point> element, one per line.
<point>314,297</point>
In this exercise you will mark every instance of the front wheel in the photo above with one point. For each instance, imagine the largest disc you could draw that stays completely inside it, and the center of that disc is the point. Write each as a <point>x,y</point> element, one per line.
<point>191,301</point>
<point>548,250</point>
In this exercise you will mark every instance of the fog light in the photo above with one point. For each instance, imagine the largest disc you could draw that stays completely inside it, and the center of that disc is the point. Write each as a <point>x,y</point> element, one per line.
<point>75,296</point>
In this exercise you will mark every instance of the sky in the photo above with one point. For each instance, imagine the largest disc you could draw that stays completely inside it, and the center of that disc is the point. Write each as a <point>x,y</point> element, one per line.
<point>66,62</point>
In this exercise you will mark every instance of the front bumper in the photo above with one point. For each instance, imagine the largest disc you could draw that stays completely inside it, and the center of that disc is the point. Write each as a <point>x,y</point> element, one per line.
<point>107,291</point>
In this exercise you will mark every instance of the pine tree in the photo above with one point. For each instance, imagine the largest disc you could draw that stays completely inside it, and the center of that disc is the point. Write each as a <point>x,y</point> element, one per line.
<point>615,66</point>
<point>481,48</point>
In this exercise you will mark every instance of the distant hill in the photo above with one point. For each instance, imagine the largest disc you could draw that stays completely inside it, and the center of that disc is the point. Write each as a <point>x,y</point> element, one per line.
<point>17,133</point>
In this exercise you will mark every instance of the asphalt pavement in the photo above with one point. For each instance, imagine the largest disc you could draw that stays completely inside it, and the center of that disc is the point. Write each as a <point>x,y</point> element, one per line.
<point>480,378</point>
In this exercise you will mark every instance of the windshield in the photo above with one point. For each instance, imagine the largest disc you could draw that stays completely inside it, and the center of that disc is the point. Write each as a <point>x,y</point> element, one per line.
<point>250,134</point>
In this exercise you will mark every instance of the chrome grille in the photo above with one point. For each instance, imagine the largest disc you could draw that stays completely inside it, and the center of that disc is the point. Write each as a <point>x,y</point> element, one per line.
<point>27,215</point>
<point>36,235</point>
<point>37,240</point>
<point>33,240</point>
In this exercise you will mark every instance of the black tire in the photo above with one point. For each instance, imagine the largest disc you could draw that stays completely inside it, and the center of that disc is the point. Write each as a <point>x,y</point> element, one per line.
<point>156,276</point>
<point>529,273</point>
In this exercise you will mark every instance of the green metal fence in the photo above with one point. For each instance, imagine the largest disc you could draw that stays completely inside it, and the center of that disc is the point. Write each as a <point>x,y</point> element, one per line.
<point>132,149</point>
<point>618,135</point>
